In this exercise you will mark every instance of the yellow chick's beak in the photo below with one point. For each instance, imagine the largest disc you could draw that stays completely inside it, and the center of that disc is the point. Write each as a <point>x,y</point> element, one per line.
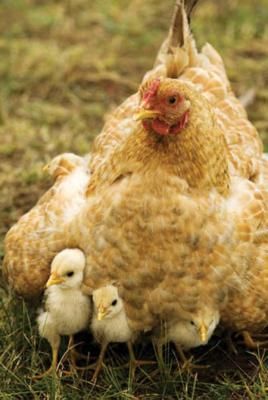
<point>54,279</point>
<point>203,333</point>
<point>146,114</point>
<point>102,312</point>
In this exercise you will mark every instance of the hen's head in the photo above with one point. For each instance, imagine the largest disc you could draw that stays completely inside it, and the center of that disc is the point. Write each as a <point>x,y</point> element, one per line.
<point>164,106</point>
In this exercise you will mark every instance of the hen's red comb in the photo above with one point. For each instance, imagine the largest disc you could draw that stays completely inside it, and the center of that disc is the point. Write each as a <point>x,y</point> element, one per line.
<point>151,90</point>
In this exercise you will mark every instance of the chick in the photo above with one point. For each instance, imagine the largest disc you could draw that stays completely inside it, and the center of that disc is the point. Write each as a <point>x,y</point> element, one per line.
<point>191,331</point>
<point>67,310</point>
<point>109,322</point>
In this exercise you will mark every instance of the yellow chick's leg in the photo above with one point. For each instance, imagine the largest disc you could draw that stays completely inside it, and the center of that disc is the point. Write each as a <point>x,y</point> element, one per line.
<point>187,362</point>
<point>135,363</point>
<point>159,351</point>
<point>99,362</point>
<point>251,343</point>
<point>230,343</point>
<point>53,368</point>
<point>74,356</point>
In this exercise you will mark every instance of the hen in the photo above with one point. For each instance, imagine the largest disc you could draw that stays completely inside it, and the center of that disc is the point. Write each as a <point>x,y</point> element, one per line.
<point>166,216</point>
<point>174,202</point>
<point>175,191</point>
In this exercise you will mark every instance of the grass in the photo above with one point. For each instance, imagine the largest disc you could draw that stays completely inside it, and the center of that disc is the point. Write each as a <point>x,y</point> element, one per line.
<point>63,65</point>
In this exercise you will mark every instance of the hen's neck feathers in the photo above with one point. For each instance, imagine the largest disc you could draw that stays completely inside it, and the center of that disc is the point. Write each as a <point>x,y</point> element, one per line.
<point>198,154</point>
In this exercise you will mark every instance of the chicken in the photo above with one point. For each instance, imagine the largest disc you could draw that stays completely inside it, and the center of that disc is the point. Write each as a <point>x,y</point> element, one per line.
<point>39,235</point>
<point>66,310</point>
<point>161,195</point>
<point>192,330</point>
<point>109,322</point>
<point>173,191</point>
<point>176,197</point>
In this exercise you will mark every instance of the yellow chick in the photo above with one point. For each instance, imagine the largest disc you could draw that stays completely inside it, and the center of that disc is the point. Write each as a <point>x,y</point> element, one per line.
<point>109,322</point>
<point>190,331</point>
<point>67,310</point>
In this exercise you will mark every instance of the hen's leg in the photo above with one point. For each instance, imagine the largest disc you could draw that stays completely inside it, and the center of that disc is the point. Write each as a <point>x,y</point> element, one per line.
<point>251,343</point>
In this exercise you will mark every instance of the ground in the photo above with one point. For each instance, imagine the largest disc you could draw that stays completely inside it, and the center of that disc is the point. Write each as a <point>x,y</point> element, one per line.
<point>63,65</point>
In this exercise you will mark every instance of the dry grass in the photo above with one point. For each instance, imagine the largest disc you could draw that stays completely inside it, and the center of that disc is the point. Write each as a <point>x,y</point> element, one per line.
<point>63,64</point>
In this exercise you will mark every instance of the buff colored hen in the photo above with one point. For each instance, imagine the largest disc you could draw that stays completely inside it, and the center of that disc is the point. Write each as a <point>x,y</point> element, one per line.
<point>169,216</point>
<point>184,190</point>
<point>176,199</point>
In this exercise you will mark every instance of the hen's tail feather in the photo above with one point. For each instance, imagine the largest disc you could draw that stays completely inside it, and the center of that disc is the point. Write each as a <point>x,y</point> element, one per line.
<point>177,30</point>
<point>180,27</point>
<point>189,6</point>
<point>178,51</point>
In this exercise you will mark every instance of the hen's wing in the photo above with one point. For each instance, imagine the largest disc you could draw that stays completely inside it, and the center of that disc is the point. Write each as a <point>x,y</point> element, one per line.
<point>39,235</point>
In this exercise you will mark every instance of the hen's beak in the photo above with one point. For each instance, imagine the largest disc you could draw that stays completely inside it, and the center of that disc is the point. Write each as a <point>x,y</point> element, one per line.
<point>203,333</point>
<point>54,279</point>
<point>102,312</point>
<point>146,114</point>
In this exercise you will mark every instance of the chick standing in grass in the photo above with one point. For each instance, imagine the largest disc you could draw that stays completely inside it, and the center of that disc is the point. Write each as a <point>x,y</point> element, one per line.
<point>67,310</point>
<point>109,322</point>
<point>194,330</point>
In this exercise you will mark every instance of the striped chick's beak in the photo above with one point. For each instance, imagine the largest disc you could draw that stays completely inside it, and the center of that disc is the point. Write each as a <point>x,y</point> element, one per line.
<point>203,333</point>
<point>102,312</point>
<point>54,279</point>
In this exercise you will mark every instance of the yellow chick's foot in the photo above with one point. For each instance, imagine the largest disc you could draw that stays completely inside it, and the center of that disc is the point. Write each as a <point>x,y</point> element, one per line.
<point>52,369</point>
<point>251,343</point>
<point>49,371</point>
<point>134,363</point>
<point>187,364</point>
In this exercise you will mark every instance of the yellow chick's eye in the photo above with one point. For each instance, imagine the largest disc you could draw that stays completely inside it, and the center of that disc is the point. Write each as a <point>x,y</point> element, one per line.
<point>69,274</point>
<point>114,303</point>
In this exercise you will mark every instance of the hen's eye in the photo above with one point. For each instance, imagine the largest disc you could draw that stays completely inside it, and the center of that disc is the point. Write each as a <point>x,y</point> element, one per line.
<point>69,274</point>
<point>114,303</point>
<point>172,100</point>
